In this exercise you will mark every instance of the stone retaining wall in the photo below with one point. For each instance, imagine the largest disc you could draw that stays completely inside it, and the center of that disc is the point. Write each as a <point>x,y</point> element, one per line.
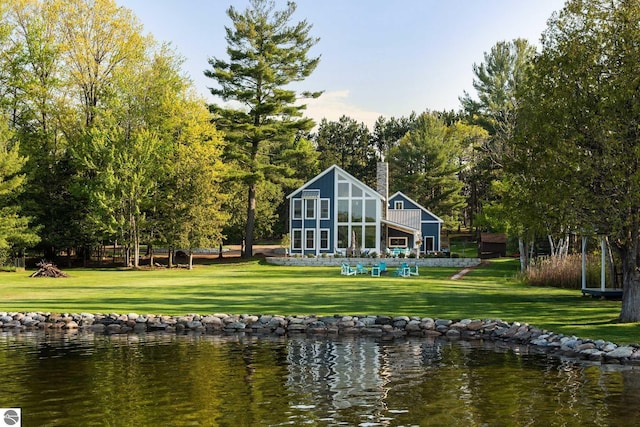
<point>368,262</point>
<point>382,327</point>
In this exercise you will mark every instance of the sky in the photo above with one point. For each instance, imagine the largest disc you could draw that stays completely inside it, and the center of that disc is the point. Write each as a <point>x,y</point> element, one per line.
<point>378,57</point>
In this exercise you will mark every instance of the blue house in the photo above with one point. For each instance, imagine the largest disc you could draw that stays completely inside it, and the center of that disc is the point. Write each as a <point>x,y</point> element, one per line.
<point>335,212</point>
<point>411,225</point>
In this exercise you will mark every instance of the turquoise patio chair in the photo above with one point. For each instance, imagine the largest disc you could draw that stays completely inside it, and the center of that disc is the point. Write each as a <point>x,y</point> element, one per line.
<point>413,271</point>
<point>360,269</point>
<point>402,271</point>
<point>383,267</point>
<point>347,270</point>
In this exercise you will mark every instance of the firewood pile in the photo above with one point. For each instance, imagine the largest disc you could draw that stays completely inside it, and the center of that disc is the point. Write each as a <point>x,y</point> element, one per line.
<point>48,269</point>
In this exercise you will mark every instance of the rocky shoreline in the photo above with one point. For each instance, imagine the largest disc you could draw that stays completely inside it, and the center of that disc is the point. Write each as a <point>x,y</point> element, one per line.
<point>382,327</point>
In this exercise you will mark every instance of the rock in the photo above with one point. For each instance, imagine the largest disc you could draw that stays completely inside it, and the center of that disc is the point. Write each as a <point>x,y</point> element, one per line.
<point>475,325</point>
<point>413,326</point>
<point>194,324</point>
<point>235,326</point>
<point>620,353</point>
<point>453,333</point>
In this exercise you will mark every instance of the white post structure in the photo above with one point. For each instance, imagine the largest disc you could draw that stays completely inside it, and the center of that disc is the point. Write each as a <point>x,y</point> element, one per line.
<point>603,264</point>
<point>584,262</point>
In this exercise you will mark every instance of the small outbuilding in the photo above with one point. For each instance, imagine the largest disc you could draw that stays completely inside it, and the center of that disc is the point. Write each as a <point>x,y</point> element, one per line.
<point>492,245</point>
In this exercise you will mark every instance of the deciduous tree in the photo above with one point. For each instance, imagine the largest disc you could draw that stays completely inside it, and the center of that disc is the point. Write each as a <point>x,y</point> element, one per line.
<point>579,138</point>
<point>15,232</point>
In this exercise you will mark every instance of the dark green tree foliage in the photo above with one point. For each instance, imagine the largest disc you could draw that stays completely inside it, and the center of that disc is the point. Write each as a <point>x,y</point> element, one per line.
<point>266,54</point>
<point>424,166</point>
<point>347,144</point>
<point>578,149</point>
<point>388,132</point>
<point>496,82</point>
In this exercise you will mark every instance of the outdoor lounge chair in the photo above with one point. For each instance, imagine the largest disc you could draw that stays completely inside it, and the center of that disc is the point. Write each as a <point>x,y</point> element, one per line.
<point>383,267</point>
<point>347,270</point>
<point>413,271</point>
<point>360,269</point>
<point>402,271</point>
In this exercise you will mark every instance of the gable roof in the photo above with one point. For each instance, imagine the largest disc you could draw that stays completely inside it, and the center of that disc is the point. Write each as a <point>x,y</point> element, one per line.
<point>401,194</point>
<point>337,169</point>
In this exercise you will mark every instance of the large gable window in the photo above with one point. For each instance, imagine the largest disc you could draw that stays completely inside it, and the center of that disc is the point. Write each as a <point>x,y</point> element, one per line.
<point>370,210</point>
<point>358,210</point>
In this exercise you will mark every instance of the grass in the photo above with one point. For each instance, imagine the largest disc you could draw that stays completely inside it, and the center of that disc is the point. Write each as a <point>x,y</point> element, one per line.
<point>464,249</point>
<point>254,287</point>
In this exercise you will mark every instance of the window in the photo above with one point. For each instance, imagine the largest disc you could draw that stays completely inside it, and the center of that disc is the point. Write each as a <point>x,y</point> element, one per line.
<point>370,236</point>
<point>324,239</point>
<point>398,205</point>
<point>324,209</point>
<point>356,210</point>
<point>343,210</point>
<point>356,191</point>
<point>310,239</point>
<point>310,209</point>
<point>296,239</point>
<point>343,189</point>
<point>297,209</point>
<point>343,236</point>
<point>370,210</point>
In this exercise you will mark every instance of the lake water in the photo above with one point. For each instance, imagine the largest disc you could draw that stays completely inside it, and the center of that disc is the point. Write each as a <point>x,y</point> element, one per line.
<point>204,380</point>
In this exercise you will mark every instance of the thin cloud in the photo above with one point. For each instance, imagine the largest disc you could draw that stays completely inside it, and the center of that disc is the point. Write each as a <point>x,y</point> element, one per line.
<point>333,105</point>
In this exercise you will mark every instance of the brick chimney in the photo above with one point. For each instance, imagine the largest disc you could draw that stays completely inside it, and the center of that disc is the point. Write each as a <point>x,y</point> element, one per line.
<point>382,179</point>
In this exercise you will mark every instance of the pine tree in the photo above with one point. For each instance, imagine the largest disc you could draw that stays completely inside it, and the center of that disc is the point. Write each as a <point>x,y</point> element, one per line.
<point>266,54</point>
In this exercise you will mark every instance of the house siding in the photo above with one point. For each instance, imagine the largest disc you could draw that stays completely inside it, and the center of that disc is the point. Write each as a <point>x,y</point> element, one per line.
<point>324,183</point>
<point>430,225</point>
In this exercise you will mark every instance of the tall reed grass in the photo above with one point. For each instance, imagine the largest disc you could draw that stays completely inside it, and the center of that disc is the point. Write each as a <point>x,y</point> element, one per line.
<point>565,272</point>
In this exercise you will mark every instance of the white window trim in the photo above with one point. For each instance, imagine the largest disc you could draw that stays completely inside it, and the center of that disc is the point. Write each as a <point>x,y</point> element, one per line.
<point>328,203</point>
<point>293,239</point>
<point>306,211</point>
<point>313,238</point>
<point>293,211</point>
<point>325,230</point>
<point>398,204</point>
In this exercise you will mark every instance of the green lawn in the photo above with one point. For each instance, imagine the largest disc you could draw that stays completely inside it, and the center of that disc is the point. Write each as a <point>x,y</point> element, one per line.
<point>256,288</point>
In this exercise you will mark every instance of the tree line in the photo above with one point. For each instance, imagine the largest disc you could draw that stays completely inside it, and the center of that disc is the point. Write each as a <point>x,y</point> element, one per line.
<point>103,140</point>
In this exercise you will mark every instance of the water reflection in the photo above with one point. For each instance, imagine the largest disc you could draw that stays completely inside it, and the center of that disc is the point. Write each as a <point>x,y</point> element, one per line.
<point>166,379</point>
